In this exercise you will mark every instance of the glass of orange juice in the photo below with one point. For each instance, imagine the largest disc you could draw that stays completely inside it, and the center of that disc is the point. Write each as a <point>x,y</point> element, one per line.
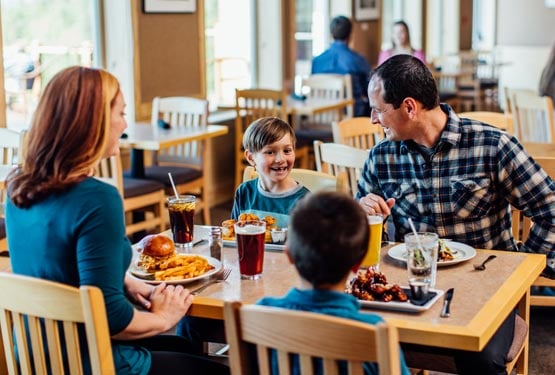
<point>372,257</point>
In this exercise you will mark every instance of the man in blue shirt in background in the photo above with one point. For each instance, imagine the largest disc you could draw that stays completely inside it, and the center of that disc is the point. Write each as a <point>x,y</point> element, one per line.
<point>340,59</point>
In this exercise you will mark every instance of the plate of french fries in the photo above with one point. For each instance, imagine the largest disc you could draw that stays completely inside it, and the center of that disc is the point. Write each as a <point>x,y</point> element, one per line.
<point>179,269</point>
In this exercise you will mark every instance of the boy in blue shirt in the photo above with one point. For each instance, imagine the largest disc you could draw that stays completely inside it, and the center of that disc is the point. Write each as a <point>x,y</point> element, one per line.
<point>269,144</point>
<point>327,237</point>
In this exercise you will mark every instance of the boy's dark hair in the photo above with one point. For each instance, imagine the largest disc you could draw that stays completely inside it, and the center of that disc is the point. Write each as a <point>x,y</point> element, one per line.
<point>340,28</point>
<point>265,131</point>
<point>406,76</point>
<point>328,236</point>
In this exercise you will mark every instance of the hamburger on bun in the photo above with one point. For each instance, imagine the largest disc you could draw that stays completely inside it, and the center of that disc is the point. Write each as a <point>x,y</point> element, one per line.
<point>154,251</point>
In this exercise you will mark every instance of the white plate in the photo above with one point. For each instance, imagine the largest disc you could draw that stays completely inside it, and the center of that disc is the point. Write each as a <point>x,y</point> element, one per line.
<point>463,253</point>
<point>267,246</point>
<point>213,261</point>
<point>403,306</point>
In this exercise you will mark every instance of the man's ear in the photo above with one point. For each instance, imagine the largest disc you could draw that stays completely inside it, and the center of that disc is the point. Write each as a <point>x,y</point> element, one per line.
<point>250,158</point>
<point>411,107</point>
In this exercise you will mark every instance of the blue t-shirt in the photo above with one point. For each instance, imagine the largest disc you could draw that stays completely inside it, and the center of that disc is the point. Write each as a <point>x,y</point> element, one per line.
<point>330,303</point>
<point>77,237</point>
<point>252,198</point>
<point>340,59</point>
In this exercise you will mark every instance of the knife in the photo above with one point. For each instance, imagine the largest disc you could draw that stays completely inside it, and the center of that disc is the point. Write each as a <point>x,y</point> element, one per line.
<point>447,302</point>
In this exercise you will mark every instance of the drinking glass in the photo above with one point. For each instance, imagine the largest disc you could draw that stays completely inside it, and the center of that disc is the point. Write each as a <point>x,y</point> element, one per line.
<point>421,263</point>
<point>250,246</point>
<point>372,257</point>
<point>182,211</point>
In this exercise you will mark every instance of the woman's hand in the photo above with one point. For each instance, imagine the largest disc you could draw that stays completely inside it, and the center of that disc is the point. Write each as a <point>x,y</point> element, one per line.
<point>374,204</point>
<point>139,291</point>
<point>170,302</point>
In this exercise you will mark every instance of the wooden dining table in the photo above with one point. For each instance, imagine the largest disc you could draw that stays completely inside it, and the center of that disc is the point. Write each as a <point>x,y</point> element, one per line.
<point>144,136</point>
<point>482,299</point>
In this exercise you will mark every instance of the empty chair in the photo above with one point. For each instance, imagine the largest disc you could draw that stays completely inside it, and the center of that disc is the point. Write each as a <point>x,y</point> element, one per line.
<point>145,196</point>
<point>335,158</point>
<point>357,132</point>
<point>329,86</point>
<point>508,100</point>
<point>252,104</point>
<point>312,180</point>
<point>499,120</point>
<point>41,315</point>
<point>185,161</point>
<point>533,117</point>
<point>308,335</point>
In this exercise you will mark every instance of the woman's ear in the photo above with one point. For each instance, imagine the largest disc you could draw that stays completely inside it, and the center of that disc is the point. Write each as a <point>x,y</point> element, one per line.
<point>250,158</point>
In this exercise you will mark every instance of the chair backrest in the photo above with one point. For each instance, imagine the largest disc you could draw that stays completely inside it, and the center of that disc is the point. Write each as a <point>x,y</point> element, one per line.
<point>250,105</point>
<point>110,171</point>
<point>326,86</point>
<point>539,149</point>
<point>312,180</point>
<point>40,315</point>
<point>335,158</point>
<point>509,93</point>
<point>308,335</point>
<point>11,146</point>
<point>181,112</point>
<point>357,132</point>
<point>500,120</point>
<point>533,117</point>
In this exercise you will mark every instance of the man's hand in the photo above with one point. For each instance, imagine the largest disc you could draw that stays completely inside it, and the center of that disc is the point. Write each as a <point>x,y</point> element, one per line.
<point>374,204</point>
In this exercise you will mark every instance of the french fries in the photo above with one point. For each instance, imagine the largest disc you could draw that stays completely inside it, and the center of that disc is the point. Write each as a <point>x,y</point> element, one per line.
<point>183,266</point>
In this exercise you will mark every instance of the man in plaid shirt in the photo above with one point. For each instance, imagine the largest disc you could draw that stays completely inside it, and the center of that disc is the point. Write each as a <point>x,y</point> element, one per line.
<point>455,177</point>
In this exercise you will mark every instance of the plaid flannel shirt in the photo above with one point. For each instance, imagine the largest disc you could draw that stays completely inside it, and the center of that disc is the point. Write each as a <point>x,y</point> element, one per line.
<point>463,190</point>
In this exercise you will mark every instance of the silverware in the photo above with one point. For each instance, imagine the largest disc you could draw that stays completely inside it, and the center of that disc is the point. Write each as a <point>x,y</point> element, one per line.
<point>447,303</point>
<point>220,277</point>
<point>481,267</point>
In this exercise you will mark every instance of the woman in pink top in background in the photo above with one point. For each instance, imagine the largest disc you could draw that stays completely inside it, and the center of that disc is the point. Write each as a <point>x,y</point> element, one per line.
<point>401,44</point>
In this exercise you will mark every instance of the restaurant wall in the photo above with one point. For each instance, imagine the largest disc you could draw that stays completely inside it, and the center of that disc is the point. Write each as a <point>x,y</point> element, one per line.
<point>169,56</point>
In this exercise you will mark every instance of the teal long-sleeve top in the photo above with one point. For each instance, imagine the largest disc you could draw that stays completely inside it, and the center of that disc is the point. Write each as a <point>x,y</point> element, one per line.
<point>77,237</point>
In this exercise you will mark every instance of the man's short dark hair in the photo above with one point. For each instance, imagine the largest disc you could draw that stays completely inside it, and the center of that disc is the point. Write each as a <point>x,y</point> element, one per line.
<point>340,28</point>
<point>328,236</point>
<point>406,76</point>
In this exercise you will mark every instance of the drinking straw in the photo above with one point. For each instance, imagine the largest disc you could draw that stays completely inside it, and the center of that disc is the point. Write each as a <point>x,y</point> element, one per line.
<point>173,186</point>
<point>415,233</point>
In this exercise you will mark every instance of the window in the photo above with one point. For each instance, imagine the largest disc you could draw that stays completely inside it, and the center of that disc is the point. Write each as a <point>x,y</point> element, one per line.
<point>41,37</point>
<point>228,31</point>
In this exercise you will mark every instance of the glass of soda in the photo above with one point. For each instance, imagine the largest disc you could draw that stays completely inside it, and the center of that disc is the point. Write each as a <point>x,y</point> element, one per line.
<point>250,246</point>
<point>182,211</point>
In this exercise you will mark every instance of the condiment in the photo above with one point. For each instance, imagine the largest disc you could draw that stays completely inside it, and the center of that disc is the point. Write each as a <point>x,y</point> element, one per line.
<point>215,242</point>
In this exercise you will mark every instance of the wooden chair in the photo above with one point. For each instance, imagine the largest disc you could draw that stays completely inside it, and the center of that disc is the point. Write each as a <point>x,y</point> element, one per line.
<point>185,161</point>
<point>335,158</point>
<point>308,335</point>
<point>499,120</point>
<point>533,117</point>
<point>11,154</point>
<point>312,180</point>
<point>40,315</point>
<point>250,105</point>
<point>509,93</point>
<point>145,196</point>
<point>328,86</point>
<point>357,132</point>
<point>521,229</point>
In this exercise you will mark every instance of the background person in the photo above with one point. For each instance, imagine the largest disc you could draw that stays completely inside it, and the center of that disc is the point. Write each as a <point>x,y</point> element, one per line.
<point>455,177</point>
<point>324,249</point>
<point>76,226</point>
<point>400,39</point>
<point>340,59</point>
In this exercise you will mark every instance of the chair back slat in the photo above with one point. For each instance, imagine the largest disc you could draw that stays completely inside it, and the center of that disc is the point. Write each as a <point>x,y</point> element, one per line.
<point>533,119</point>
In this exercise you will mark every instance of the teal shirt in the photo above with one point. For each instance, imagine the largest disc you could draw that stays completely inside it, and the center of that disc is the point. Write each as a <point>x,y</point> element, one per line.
<point>77,237</point>
<point>330,303</point>
<point>251,198</point>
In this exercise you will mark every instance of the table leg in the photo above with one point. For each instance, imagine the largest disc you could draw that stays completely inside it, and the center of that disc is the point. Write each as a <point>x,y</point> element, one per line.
<point>137,163</point>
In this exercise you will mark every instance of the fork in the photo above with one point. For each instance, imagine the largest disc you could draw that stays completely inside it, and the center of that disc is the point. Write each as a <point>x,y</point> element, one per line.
<point>220,277</point>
